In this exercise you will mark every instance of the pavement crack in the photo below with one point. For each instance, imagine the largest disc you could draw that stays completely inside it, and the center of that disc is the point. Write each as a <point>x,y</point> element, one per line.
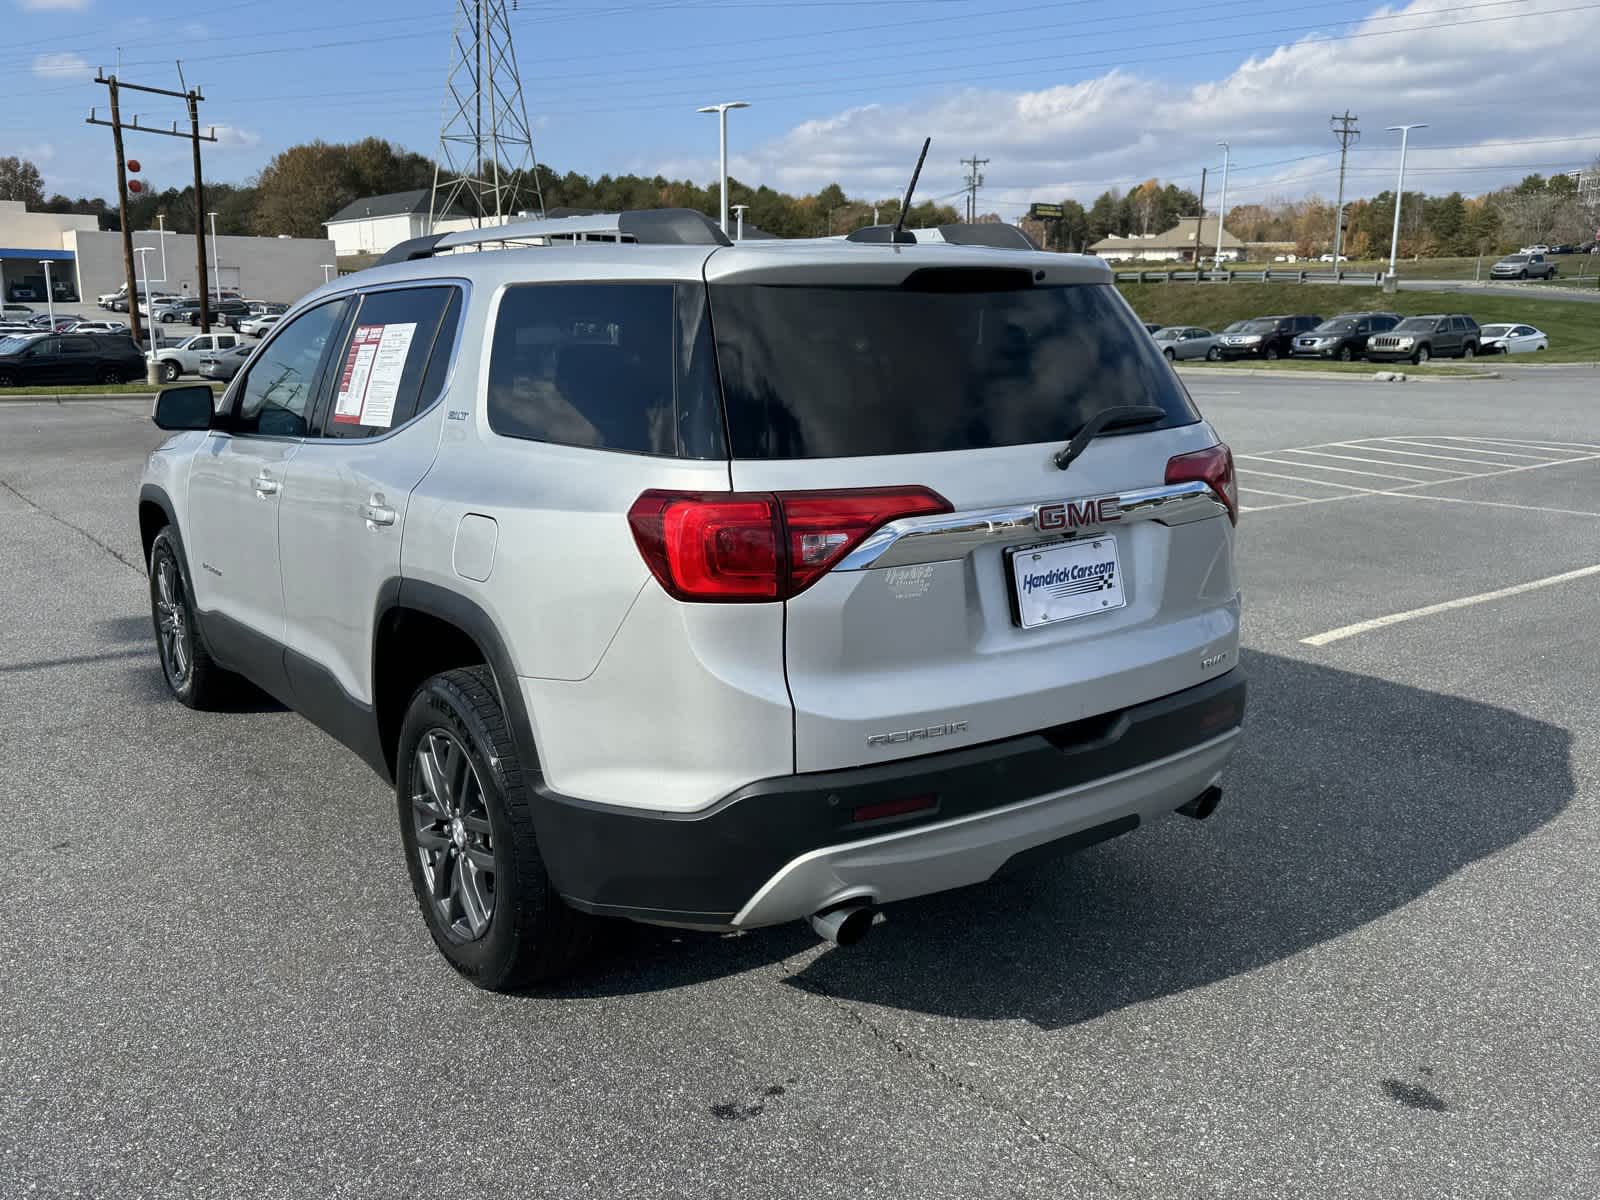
<point>930,1066</point>
<point>79,529</point>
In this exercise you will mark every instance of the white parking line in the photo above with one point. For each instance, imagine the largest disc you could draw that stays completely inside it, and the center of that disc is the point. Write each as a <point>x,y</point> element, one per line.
<point>1534,443</point>
<point>1376,462</point>
<point>1260,491</point>
<point>1565,512</point>
<point>1342,470</point>
<point>1411,454</point>
<point>1356,488</point>
<point>1348,631</point>
<point>1475,450</point>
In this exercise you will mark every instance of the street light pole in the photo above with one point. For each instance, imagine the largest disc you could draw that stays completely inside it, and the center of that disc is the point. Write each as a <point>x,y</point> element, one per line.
<point>722,115</point>
<point>738,211</point>
<point>327,272</point>
<point>49,294</point>
<point>1399,192</point>
<point>216,269</point>
<point>155,326</point>
<point>1222,212</point>
<point>161,220</point>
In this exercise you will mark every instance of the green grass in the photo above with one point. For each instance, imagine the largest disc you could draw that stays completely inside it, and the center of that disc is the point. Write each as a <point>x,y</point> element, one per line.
<point>1574,268</point>
<point>1573,325</point>
<point>102,389</point>
<point>1354,368</point>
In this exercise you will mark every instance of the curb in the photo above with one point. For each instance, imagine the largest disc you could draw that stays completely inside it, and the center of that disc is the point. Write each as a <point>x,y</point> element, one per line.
<point>1343,376</point>
<point>23,398</point>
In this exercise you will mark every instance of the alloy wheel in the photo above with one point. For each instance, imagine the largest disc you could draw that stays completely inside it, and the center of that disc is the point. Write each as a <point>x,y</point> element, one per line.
<point>172,624</point>
<point>455,843</point>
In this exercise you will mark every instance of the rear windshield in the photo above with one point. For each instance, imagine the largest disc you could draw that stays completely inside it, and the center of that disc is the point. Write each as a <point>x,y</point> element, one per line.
<point>950,360</point>
<point>1417,325</point>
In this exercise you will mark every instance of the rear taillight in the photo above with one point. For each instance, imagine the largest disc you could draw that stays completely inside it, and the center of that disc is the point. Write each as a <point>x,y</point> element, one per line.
<point>1213,467</point>
<point>751,546</point>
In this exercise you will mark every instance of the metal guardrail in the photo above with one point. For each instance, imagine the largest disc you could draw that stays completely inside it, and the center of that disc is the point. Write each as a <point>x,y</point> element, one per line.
<point>1258,276</point>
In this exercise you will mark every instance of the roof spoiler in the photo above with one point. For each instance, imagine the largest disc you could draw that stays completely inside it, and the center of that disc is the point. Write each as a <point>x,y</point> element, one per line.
<point>989,233</point>
<point>650,227</point>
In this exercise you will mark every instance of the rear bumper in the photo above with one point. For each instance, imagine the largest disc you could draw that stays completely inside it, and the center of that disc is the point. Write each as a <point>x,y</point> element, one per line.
<point>783,848</point>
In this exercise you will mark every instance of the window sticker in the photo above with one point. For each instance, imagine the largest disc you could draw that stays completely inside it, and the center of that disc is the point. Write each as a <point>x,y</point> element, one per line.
<point>370,381</point>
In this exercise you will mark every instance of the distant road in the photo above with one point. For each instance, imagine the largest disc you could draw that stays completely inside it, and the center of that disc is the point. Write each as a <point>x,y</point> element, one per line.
<point>1522,291</point>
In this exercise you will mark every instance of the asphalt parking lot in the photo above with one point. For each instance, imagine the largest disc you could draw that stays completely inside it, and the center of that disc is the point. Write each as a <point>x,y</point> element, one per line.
<point>1374,972</point>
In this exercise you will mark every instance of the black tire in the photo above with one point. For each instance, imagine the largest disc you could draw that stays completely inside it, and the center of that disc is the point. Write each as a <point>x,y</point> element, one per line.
<point>1421,355</point>
<point>196,680</point>
<point>1169,355</point>
<point>1213,355</point>
<point>531,934</point>
<point>1346,354</point>
<point>1468,350</point>
<point>1522,274</point>
<point>8,379</point>
<point>1272,354</point>
<point>170,371</point>
<point>111,376</point>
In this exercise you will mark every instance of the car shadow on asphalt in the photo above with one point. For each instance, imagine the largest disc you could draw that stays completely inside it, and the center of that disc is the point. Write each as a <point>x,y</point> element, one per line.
<point>1349,798</point>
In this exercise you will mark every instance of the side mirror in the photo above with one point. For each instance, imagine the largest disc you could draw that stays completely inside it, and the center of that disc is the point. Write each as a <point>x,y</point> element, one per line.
<point>184,408</point>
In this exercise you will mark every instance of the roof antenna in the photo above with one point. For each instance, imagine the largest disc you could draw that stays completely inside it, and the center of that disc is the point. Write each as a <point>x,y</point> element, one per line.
<point>905,205</point>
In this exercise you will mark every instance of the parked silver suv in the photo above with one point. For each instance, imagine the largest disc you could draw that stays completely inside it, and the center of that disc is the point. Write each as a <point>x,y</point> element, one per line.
<point>710,584</point>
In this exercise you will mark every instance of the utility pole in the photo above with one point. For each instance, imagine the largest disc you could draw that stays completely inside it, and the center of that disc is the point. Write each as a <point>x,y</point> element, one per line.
<point>193,98</point>
<point>1198,222</point>
<point>1222,211</point>
<point>974,182</point>
<point>1344,128</point>
<point>122,208</point>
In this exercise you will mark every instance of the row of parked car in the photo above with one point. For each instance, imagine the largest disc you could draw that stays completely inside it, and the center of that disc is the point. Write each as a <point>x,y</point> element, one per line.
<point>1373,336</point>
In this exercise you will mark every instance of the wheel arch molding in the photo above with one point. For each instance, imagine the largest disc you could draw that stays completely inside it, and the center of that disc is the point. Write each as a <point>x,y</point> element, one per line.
<point>421,629</point>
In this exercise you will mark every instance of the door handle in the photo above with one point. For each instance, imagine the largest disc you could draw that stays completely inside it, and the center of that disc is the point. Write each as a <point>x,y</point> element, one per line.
<point>376,512</point>
<point>265,486</point>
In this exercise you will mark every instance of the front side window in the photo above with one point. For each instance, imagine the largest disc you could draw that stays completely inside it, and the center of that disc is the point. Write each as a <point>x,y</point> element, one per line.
<point>612,366</point>
<point>276,395</point>
<point>383,373</point>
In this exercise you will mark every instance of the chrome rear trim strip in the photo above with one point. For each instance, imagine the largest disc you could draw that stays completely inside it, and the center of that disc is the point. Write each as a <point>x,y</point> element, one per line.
<point>955,535</point>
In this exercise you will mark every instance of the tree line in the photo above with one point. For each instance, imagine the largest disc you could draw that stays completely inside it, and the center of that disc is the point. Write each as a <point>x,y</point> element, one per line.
<point>1538,209</point>
<point>305,185</point>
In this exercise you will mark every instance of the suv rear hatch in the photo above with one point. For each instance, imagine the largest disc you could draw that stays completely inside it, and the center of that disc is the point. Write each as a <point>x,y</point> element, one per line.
<point>962,372</point>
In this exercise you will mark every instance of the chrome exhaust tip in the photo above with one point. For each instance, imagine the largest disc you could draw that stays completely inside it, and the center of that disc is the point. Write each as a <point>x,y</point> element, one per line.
<point>845,924</point>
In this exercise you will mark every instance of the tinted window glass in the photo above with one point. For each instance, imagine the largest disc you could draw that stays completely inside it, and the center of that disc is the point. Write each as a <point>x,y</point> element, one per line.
<point>953,360</point>
<point>276,395</point>
<point>77,345</point>
<point>613,366</point>
<point>383,358</point>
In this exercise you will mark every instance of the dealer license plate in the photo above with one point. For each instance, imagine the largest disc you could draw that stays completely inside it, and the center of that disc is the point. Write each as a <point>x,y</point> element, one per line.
<point>1063,580</point>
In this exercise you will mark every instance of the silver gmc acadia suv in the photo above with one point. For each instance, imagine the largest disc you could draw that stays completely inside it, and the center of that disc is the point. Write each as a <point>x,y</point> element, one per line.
<point>712,584</point>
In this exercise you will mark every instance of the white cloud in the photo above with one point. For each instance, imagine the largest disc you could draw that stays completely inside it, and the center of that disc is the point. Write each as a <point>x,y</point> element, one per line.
<point>62,66</point>
<point>231,137</point>
<point>1123,125</point>
<point>42,5</point>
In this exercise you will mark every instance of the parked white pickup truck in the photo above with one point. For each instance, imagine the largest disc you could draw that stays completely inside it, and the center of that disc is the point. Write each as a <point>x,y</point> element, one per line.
<point>184,358</point>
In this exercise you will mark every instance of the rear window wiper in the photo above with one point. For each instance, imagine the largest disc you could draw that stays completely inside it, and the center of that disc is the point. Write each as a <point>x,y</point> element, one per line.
<point>1107,418</point>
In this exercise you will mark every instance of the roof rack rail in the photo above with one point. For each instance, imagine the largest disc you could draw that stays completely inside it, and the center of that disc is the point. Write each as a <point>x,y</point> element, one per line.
<point>652,227</point>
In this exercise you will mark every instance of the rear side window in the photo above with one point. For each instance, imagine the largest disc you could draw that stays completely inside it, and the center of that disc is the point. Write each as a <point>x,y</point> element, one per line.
<point>950,360</point>
<point>613,366</point>
<point>384,373</point>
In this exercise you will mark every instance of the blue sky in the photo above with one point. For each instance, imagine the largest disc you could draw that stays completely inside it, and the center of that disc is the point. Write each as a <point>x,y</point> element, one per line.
<point>1064,98</point>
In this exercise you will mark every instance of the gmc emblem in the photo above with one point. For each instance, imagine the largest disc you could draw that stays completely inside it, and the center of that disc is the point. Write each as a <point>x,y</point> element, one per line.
<point>1072,513</point>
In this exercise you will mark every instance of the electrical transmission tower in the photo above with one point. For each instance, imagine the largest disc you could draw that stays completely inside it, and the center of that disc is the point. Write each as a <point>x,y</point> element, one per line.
<point>486,164</point>
<point>1344,128</point>
<point>974,181</point>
